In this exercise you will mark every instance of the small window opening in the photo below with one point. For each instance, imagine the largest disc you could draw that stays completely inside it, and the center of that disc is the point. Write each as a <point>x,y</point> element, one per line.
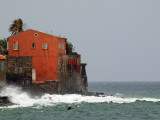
<point>20,69</point>
<point>35,34</point>
<point>15,45</point>
<point>44,46</point>
<point>59,45</point>
<point>2,65</point>
<point>33,74</point>
<point>33,45</point>
<point>62,46</point>
<point>16,70</point>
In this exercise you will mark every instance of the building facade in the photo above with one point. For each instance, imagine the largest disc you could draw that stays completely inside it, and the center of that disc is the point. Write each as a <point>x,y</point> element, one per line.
<point>38,61</point>
<point>44,49</point>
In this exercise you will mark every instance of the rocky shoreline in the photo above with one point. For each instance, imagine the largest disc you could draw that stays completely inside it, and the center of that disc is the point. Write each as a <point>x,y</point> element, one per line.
<point>4,101</point>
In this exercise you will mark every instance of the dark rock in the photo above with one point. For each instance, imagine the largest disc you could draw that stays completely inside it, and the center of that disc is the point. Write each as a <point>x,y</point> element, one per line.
<point>69,108</point>
<point>98,94</point>
<point>4,101</point>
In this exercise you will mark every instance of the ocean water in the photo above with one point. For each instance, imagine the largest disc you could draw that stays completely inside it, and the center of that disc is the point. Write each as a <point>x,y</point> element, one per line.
<point>123,101</point>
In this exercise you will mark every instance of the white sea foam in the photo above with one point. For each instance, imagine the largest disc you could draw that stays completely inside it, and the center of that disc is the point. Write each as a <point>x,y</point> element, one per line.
<point>22,99</point>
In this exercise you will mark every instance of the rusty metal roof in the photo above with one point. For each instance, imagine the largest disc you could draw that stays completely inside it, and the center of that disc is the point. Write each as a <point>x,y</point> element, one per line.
<point>2,57</point>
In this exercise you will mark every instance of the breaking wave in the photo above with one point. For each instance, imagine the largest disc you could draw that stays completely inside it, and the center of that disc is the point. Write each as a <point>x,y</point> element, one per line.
<point>23,99</point>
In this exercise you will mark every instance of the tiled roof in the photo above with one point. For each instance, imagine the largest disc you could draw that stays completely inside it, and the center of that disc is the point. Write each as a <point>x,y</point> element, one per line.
<point>2,57</point>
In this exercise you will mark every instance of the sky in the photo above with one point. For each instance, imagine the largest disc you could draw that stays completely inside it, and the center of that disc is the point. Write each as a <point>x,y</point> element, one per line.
<point>118,39</point>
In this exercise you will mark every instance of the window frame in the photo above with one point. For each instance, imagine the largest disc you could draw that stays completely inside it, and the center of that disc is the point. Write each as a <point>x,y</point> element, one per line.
<point>15,70</point>
<point>35,34</point>
<point>62,46</point>
<point>33,74</point>
<point>2,65</point>
<point>34,46</point>
<point>20,70</point>
<point>59,45</point>
<point>44,45</point>
<point>15,45</point>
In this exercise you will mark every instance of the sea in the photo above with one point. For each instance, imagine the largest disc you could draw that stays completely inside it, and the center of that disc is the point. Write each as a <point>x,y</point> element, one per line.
<point>122,101</point>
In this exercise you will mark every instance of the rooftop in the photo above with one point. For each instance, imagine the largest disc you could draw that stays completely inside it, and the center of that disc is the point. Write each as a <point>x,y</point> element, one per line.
<point>2,57</point>
<point>39,32</point>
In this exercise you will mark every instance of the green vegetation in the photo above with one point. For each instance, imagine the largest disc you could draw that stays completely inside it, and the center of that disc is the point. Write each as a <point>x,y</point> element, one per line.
<point>69,48</point>
<point>16,26</point>
<point>3,47</point>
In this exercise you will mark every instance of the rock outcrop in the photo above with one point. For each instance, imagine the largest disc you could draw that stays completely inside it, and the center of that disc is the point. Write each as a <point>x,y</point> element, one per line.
<point>4,101</point>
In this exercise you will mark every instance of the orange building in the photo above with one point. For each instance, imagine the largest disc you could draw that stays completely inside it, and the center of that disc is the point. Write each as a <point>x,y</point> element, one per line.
<point>44,49</point>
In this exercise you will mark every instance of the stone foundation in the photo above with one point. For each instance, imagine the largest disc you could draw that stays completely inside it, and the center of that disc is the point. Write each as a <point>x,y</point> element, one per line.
<point>71,75</point>
<point>19,70</point>
<point>71,79</point>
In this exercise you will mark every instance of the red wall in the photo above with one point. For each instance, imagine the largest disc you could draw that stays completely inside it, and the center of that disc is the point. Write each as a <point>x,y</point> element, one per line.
<point>62,46</point>
<point>43,60</point>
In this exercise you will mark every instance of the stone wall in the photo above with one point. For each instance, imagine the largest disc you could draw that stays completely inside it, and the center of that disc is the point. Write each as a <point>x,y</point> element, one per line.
<point>50,87</point>
<point>19,70</point>
<point>70,75</point>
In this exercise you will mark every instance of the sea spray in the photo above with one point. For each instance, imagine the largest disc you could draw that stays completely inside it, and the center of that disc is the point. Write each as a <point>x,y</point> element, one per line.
<point>17,96</point>
<point>23,99</point>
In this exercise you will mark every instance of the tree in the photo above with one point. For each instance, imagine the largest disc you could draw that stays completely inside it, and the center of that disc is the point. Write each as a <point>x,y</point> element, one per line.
<point>3,46</point>
<point>16,26</point>
<point>69,48</point>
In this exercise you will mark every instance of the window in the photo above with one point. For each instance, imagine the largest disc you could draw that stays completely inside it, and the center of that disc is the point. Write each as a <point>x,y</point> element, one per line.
<point>35,34</point>
<point>44,46</point>
<point>16,70</point>
<point>15,45</point>
<point>59,45</point>
<point>33,74</point>
<point>20,69</point>
<point>62,46</point>
<point>2,65</point>
<point>33,45</point>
